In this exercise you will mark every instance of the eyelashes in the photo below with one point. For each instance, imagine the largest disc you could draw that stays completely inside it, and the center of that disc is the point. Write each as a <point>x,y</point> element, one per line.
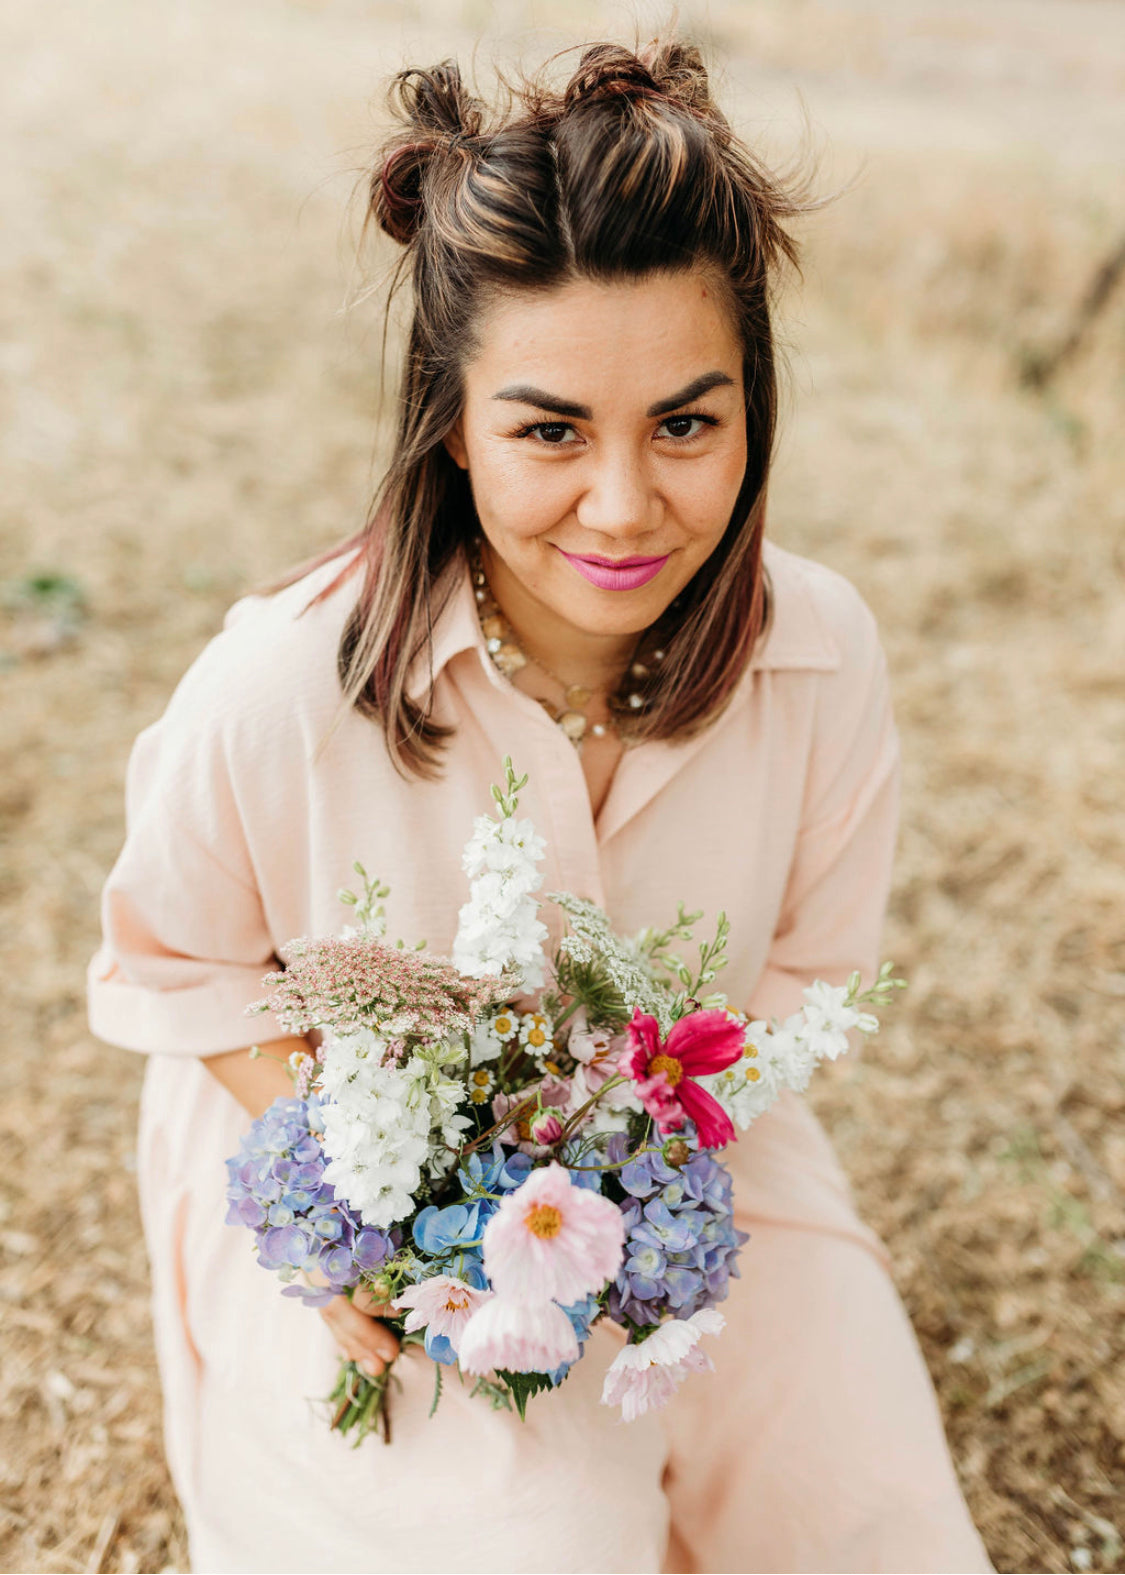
<point>541,427</point>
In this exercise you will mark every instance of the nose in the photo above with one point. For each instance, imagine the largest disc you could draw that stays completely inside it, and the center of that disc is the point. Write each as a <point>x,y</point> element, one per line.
<point>620,498</point>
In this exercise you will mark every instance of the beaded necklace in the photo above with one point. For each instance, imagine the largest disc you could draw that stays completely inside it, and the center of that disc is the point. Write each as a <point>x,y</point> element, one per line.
<point>509,658</point>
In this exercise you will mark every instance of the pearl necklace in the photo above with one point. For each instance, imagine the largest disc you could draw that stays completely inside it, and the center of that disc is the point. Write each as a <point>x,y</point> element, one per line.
<point>509,658</point>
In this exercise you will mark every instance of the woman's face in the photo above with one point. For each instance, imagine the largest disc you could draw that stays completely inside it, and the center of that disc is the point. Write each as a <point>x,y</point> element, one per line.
<point>603,429</point>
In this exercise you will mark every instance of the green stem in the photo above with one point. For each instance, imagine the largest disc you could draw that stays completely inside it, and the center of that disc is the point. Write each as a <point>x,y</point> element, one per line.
<point>576,1119</point>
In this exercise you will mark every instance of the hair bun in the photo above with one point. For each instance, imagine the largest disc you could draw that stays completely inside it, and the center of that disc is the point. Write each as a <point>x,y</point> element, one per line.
<point>670,71</point>
<point>609,70</point>
<point>435,111</point>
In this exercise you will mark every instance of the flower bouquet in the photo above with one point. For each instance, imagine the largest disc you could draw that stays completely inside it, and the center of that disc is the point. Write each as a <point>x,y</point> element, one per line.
<point>502,1149</point>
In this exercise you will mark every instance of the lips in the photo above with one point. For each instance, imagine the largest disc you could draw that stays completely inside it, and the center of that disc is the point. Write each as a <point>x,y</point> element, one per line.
<point>615,574</point>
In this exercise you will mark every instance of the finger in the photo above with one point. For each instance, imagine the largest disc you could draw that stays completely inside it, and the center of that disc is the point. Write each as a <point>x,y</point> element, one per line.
<point>368,1302</point>
<point>364,1340</point>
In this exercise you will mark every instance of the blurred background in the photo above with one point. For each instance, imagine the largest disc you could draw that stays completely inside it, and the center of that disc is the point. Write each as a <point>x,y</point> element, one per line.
<point>191,403</point>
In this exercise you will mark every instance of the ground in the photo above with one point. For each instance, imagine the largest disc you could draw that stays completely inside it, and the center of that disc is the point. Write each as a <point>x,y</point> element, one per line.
<point>191,403</point>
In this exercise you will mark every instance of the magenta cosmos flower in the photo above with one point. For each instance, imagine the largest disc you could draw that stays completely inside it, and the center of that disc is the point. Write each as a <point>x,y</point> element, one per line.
<point>552,1241</point>
<point>700,1043</point>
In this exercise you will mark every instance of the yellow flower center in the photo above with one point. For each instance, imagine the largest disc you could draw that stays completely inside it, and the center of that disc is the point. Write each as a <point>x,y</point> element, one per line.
<point>750,1052</point>
<point>478,1095</point>
<point>551,1067</point>
<point>482,1077</point>
<point>503,1027</point>
<point>537,1037</point>
<point>752,1074</point>
<point>456,1301</point>
<point>673,1070</point>
<point>543,1221</point>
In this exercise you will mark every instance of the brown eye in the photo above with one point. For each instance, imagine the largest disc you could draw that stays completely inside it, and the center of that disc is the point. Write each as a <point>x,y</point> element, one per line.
<point>679,427</point>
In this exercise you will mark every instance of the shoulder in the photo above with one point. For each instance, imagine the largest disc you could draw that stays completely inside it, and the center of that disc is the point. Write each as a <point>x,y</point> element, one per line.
<point>273,666</point>
<point>819,621</point>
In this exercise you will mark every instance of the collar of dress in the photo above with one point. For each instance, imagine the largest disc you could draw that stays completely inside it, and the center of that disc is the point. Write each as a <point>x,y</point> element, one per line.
<point>798,637</point>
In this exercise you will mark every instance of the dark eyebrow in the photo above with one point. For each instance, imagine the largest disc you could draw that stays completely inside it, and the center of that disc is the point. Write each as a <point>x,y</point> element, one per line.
<point>693,390</point>
<point>525,394</point>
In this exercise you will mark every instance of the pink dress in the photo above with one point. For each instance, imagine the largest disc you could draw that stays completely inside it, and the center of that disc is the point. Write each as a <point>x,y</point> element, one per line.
<point>817,1445</point>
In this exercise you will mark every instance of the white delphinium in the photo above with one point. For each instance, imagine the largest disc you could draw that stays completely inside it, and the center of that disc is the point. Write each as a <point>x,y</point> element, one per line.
<point>384,1123</point>
<point>499,927</point>
<point>376,1135</point>
<point>440,1095</point>
<point>829,1012</point>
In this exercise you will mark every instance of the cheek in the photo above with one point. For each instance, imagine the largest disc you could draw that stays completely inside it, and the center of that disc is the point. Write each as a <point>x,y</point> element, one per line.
<point>516,496</point>
<point>705,494</point>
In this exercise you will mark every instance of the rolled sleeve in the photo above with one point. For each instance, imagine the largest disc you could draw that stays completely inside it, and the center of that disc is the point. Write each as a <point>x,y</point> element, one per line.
<point>184,937</point>
<point>831,917</point>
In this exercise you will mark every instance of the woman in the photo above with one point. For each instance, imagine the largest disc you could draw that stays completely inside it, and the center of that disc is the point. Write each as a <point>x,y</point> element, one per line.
<point>566,564</point>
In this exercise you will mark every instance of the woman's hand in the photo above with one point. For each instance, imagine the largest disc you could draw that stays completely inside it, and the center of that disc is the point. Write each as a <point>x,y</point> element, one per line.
<point>358,1333</point>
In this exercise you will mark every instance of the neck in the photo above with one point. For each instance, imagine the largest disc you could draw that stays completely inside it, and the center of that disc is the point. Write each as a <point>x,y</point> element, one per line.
<point>592,660</point>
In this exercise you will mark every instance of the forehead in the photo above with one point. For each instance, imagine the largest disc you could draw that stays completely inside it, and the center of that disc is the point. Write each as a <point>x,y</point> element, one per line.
<point>651,335</point>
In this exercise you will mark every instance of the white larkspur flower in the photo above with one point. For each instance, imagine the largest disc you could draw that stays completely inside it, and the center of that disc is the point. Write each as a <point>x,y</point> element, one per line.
<point>499,927</point>
<point>508,847</point>
<point>828,1016</point>
<point>383,1123</point>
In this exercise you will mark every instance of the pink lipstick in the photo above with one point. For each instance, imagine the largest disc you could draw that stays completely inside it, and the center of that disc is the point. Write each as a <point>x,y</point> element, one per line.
<point>615,574</point>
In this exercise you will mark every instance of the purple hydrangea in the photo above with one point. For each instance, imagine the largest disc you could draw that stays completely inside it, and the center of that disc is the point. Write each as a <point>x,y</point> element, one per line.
<point>681,1245</point>
<point>277,1189</point>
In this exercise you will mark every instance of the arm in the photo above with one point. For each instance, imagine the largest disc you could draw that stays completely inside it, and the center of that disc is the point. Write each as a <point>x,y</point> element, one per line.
<point>256,1080</point>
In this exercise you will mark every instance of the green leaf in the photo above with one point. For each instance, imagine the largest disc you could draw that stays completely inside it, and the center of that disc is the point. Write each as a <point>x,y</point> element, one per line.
<point>521,1387</point>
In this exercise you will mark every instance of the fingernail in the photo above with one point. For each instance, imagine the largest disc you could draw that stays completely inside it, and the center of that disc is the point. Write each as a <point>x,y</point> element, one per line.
<point>370,1366</point>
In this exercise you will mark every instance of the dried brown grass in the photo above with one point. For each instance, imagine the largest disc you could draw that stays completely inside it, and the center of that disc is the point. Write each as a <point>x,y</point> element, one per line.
<point>185,412</point>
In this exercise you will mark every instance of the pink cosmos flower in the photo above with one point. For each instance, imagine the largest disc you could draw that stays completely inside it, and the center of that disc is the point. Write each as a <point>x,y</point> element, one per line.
<point>444,1303</point>
<point>645,1377</point>
<point>546,1128</point>
<point>700,1043</point>
<point>597,1050</point>
<point>517,1335</point>
<point>554,1092</point>
<point>552,1241</point>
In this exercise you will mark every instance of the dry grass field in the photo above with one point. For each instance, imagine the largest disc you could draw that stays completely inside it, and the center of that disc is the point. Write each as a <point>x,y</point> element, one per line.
<point>186,409</point>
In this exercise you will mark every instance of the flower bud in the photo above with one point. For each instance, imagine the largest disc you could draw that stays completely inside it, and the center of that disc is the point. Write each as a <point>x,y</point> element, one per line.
<point>676,1153</point>
<point>546,1128</point>
<point>381,1287</point>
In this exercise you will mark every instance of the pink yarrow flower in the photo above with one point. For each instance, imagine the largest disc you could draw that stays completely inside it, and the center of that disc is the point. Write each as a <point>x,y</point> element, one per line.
<point>645,1377</point>
<point>664,1074</point>
<point>552,1241</point>
<point>443,1303</point>
<point>517,1335</point>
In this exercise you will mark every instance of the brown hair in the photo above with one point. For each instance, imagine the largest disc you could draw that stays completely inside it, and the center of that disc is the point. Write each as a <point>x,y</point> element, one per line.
<point>629,170</point>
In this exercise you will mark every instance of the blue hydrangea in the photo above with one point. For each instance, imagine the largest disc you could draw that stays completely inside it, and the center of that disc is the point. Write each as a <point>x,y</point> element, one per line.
<point>581,1315</point>
<point>452,1235</point>
<point>681,1245</point>
<point>277,1189</point>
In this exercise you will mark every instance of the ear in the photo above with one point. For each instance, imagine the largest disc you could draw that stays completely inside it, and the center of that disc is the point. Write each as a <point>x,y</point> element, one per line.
<point>454,441</point>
